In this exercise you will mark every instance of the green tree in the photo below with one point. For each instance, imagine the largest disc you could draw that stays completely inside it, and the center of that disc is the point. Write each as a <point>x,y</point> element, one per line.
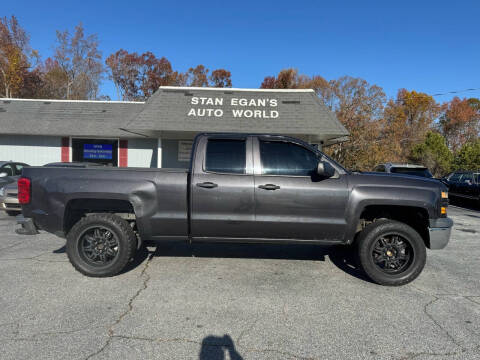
<point>408,119</point>
<point>468,157</point>
<point>433,153</point>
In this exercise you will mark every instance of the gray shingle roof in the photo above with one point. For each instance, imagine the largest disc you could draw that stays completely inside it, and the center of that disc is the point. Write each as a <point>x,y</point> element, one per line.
<point>299,112</point>
<point>64,118</point>
<point>289,112</point>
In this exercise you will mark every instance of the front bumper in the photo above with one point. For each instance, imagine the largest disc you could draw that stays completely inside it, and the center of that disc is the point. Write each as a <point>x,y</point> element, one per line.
<point>439,231</point>
<point>27,226</point>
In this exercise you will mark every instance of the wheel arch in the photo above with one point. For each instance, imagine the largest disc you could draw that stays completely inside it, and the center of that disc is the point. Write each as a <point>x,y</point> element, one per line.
<point>416,217</point>
<point>77,208</point>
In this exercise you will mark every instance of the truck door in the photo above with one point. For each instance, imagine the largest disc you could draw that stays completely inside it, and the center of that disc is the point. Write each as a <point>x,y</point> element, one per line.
<point>290,202</point>
<point>465,185</point>
<point>222,195</point>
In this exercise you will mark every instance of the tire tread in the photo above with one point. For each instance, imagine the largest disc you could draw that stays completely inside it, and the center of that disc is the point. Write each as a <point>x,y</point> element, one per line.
<point>111,219</point>
<point>364,256</point>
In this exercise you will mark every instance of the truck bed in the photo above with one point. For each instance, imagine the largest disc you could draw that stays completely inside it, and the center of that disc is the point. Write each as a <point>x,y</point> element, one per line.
<point>158,196</point>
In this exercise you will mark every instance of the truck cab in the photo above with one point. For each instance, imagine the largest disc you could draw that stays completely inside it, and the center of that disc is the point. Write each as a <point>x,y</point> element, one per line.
<point>265,187</point>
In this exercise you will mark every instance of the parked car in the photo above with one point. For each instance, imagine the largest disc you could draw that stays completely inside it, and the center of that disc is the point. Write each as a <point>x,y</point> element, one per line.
<point>9,171</point>
<point>8,193</point>
<point>405,169</point>
<point>239,188</point>
<point>8,199</point>
<point>464,184</point>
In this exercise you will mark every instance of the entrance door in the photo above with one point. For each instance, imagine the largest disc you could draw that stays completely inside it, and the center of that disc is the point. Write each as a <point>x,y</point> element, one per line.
<point>222,204</point>
<point>291,202</point>
<point>101,151</point>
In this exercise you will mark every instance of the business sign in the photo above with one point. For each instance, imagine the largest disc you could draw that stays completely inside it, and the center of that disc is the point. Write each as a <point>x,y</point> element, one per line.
<point>184,150</point>
<point>97,151</point>
<point>263,108</point>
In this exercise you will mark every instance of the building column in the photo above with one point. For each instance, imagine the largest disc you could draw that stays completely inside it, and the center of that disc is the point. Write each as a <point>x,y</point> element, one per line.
<point>123,153</point>
<point>159,153</point>
<point>65,154</point>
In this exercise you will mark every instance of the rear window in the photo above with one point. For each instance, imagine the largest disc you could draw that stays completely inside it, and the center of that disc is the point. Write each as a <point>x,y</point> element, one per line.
<point>423,172</point>
<point>226,156</point>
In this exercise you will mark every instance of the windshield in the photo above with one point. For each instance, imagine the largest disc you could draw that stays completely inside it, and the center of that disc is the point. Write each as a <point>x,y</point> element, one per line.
<point>423,172</point>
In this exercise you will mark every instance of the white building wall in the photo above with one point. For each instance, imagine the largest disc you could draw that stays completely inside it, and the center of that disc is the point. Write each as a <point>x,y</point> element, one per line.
<point>33,150</point>
<point>142,152</point>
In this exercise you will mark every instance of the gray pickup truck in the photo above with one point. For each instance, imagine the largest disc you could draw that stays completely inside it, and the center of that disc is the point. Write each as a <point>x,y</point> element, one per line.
<point>240,188</point>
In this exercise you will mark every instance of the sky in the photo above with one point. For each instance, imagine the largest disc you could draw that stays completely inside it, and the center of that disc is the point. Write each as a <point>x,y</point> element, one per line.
<point>423,45</point>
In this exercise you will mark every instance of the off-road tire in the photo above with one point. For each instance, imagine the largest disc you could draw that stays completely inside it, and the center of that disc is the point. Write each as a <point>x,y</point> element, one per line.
<point>365,245</point>
<point>125,236</point>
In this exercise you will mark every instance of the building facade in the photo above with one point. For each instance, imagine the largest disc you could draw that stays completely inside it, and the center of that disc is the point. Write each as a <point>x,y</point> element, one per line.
<point>160,131</point>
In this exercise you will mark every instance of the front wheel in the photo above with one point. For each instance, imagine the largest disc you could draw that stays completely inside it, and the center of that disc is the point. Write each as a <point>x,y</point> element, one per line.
<point>100,245</point>
<point>391,253</point>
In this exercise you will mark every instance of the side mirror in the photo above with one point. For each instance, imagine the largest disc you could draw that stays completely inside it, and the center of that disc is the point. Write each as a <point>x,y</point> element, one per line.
<point>468,182</point>
<point>324,169</point>
<point>3,174</point>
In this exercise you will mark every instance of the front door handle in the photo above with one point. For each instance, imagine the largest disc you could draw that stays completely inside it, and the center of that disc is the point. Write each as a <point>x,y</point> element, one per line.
<point>207,185</point>
<point>269,187</point>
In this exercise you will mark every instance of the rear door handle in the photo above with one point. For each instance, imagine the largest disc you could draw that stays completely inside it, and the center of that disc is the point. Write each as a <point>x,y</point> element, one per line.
<point>207,185</point>
<point>269,187</point>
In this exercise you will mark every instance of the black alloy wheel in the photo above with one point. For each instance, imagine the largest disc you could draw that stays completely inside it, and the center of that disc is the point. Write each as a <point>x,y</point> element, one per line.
<point>98,246</point>
<point>392,253</point>
<point>101,245</point>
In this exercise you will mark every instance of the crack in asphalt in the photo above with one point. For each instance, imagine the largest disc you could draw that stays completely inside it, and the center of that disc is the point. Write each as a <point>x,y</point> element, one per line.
<point>34,258</point>
<point>437,297</point>
<point>11,246</point>
<point>110,331</point>
<point>410,356</point>
<point>245,331</point>
<point>35,336</point>
<point>440,326</point>
<point>280,352</point>
<point>470,298</point>
<point>27,258</point>
<point>225,345</point>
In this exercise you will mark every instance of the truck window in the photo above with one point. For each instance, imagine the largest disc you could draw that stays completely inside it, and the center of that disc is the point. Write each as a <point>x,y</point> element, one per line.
<point>284,158</point>
<point>423,172</point>
<point>226,156</point>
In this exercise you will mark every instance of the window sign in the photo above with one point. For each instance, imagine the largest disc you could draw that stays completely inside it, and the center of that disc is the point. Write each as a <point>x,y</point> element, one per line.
<point>97,151</point>
<point>184,149</point>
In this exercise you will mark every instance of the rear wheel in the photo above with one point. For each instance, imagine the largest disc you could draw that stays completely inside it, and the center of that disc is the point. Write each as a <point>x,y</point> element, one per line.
<point>391,253</point>
<point>101,245</point>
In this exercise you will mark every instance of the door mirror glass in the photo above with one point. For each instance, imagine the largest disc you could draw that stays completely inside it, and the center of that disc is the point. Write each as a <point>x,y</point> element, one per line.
<point>324,169</point>
<point>3,174</point>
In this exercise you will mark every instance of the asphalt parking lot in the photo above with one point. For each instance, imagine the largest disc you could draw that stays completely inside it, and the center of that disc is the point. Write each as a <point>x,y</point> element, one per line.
<point>237,302</point>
